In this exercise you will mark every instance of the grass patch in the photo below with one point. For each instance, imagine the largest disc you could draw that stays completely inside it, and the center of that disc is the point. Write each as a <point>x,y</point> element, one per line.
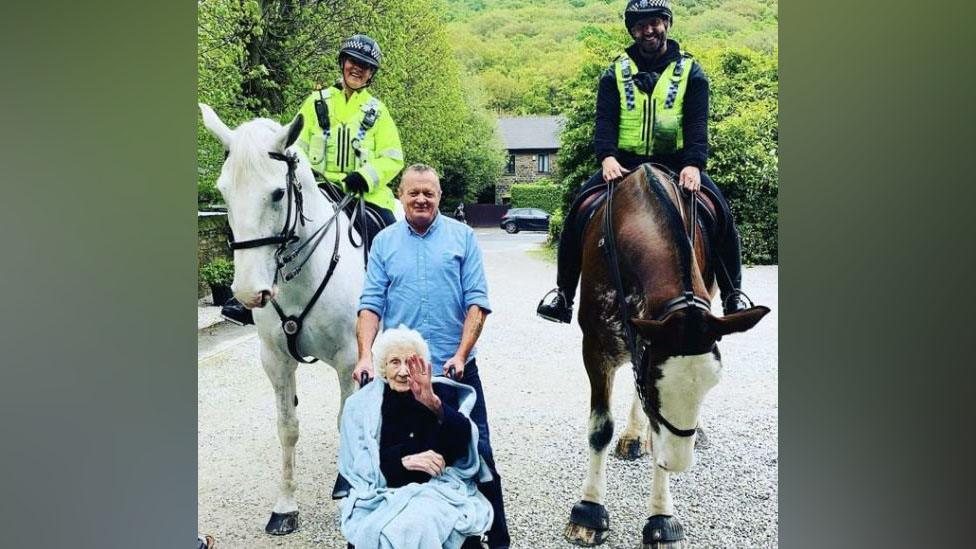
<point>544,252</point>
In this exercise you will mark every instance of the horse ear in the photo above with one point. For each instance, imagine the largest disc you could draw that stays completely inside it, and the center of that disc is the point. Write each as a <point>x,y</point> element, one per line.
<point>651,329</point>
<point>737,322</point>
<point>289,134</point>
<point>216,126</point>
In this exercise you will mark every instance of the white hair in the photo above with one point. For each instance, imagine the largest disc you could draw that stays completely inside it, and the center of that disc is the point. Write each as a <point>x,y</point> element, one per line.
<point>392,338</point>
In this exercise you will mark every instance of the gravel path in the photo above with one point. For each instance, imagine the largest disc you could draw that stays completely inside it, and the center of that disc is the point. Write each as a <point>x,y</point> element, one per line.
<point>537,397</point>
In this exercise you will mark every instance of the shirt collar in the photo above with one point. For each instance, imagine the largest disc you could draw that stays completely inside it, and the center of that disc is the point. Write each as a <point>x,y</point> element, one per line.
<point>433,225</point>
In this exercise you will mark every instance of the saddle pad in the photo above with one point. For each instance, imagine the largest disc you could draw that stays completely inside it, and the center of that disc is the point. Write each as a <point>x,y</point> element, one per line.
<point>590,200</point>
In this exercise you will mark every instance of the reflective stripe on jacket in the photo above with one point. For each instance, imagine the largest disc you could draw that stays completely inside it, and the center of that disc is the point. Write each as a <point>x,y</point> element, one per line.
<point>651,123</point>
<point>334,154</point>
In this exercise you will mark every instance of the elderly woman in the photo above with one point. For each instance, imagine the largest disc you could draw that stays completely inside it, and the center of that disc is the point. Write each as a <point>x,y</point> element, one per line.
<point>409,452</point>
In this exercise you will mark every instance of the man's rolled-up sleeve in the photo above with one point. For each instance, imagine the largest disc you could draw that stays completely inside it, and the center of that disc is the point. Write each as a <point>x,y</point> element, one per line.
<point>376,284</point>
<point>473,282</point>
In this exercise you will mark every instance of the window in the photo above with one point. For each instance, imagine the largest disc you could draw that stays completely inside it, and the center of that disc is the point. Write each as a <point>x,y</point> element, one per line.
<point>510,167</point>
<point>543,166</point>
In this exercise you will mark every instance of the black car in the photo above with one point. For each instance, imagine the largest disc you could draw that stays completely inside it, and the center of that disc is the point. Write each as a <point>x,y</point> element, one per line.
<point>525,219</point>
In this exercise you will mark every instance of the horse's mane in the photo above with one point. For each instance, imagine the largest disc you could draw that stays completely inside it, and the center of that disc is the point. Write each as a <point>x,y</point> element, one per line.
<point>249,152</point>
<point>653,247</point>
<point>670,222</point>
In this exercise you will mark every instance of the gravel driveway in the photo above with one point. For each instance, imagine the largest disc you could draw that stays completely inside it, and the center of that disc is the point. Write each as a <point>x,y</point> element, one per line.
<point>537,397</point>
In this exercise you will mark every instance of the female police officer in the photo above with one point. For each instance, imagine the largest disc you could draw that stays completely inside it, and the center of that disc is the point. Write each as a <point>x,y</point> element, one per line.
<point>350,140</point>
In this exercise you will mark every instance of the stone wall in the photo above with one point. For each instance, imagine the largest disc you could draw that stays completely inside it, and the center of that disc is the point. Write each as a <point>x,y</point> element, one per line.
<point>525,172</point>
<point>212,234</point>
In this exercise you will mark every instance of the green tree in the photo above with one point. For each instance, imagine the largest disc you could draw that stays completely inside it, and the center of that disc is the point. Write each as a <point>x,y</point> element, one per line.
<point>262,58</point>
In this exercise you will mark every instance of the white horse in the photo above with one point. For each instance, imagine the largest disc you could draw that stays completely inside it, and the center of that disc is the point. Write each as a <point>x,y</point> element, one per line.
<point>275,211</point>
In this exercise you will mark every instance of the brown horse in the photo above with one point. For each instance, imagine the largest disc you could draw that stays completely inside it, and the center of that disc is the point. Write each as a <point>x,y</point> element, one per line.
<point>669,284</point>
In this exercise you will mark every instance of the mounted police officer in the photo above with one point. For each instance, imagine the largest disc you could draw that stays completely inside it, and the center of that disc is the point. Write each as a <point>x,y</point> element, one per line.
<point>350,140</point>
<point>652,106</point>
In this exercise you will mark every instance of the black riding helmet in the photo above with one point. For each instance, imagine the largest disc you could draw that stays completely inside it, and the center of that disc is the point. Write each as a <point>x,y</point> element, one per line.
<point>361,48</point>
<point>642,9</point>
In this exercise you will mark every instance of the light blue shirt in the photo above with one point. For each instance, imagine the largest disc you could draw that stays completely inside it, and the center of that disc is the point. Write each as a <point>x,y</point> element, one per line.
<point>427,282</point>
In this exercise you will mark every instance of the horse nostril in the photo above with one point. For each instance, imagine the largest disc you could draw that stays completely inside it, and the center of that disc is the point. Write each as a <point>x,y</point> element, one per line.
<point>265,297</point>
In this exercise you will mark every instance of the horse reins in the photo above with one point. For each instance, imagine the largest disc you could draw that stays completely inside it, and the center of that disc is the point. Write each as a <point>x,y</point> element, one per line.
<point>687,300</point>
<point>291,325</point>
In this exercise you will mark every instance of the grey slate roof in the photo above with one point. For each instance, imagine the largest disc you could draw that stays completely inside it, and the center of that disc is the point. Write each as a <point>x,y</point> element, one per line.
<point>530,132</point>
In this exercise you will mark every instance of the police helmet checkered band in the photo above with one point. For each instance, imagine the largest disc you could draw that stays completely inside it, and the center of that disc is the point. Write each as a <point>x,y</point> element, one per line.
<point>363,48</point>
<point>639,9</point>
<point>640,5</point>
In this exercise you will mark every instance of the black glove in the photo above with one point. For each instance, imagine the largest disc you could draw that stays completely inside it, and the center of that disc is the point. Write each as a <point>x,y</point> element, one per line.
<point>356,183</point>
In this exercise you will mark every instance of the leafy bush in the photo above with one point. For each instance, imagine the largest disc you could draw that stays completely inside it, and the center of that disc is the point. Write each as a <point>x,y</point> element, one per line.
<point>744,140</point>
<point>219,272</point>
<point>542,194</point>
<point>555,226</point>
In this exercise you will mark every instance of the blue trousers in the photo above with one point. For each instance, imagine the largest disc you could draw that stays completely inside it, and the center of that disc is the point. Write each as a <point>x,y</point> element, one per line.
<point>492,490</point>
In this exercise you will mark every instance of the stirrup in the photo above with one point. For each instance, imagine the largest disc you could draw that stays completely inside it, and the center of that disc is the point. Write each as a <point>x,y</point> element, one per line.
<point>553,312</point>
<point>736,297</point>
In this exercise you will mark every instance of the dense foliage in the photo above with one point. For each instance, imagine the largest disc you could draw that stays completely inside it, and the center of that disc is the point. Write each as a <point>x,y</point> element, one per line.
<point>219,272</point>
<point>546,57</point>
<point>261,58</point>
<point>542,194</point>
<point>521,52</point>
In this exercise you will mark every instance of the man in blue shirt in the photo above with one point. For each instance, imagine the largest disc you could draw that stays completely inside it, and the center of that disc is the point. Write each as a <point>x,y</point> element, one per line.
<point>426,272</point>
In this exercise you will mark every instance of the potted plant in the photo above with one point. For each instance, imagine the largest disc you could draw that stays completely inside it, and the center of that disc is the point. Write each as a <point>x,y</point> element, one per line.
<point>218,274</point>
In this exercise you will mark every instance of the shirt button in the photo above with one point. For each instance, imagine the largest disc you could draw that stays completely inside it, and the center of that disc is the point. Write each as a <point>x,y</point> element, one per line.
<point>411,435</point>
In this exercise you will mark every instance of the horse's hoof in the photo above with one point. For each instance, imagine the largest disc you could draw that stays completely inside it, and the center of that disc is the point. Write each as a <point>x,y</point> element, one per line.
<point>583,536</point>
<point>630,448</point>
<point>589,524</point>
<point>663,532</point>
<point>281,524</point>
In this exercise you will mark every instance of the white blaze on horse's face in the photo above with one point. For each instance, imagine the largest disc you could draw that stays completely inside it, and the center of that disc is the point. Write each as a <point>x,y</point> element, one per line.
<point>681,390</point>
<point>254,188</point>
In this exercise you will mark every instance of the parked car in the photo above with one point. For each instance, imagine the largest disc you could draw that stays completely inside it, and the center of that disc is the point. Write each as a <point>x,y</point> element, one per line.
<point>525,219</point>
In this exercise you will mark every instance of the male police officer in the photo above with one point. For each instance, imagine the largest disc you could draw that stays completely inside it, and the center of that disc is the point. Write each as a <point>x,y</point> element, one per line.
<point>652,106</point>
<point>349,138</point>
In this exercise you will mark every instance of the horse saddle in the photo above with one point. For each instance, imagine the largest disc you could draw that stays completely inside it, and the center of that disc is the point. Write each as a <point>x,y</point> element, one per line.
<point>590,200</point>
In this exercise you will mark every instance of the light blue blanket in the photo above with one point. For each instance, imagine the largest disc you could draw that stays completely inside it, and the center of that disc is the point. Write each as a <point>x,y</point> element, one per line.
<point>438,513</point>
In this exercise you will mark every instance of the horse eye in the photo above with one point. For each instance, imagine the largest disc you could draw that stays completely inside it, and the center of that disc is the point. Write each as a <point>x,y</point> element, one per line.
<point>277,194</point>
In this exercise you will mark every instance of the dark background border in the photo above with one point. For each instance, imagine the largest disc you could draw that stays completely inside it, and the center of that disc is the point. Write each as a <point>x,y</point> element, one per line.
<point>98,384</point>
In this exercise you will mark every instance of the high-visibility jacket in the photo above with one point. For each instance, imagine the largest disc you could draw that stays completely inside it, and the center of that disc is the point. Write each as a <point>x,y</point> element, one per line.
<point>360,137</point>
<point>651,123</point>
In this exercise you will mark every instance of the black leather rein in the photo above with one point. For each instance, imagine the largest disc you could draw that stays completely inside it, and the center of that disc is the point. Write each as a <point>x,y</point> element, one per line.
<point>291,325</point>
<point>688,299</point>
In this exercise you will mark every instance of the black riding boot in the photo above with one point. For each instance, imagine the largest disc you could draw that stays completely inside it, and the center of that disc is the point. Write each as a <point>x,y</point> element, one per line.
<point>568,262</point>
<point>727,255</point>
<point>237,313</point>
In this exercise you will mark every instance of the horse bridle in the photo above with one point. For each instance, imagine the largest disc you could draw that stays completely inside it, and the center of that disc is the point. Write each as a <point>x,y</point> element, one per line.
<point>687,300</point>
<point>291,325</point>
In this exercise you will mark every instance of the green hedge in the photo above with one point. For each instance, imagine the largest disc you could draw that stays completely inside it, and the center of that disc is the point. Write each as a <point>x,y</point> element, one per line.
<point>542,194</point>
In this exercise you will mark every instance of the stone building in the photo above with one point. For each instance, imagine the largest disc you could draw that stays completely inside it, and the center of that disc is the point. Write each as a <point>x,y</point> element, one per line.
<point>532,143</point>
